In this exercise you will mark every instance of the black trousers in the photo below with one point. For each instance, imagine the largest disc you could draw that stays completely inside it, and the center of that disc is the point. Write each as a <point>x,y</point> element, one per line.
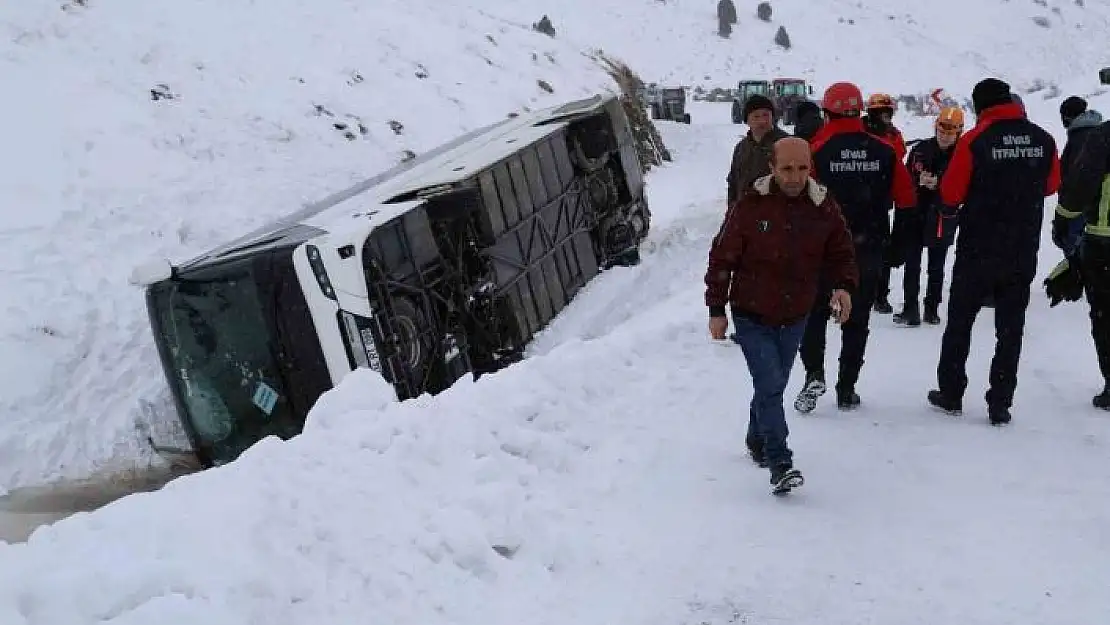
<point>973,281</point>
<point>934,284</point>
<point>1095,265</point>
<point>882,285</point>
<point>854,332</point>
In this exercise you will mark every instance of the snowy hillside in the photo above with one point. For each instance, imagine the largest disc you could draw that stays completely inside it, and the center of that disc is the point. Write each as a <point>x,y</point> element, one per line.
<point>603,481</point>
<point>102,172</point>
<point>159,131</point>
<point>902,46</point>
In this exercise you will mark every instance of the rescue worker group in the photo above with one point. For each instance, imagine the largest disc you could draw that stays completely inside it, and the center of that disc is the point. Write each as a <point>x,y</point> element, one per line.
<point>807,236</point>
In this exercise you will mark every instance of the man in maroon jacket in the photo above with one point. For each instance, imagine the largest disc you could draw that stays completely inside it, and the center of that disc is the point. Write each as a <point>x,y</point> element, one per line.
<point>766,262</point>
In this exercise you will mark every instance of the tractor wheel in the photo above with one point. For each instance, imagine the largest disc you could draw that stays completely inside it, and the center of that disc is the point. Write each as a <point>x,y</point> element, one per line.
<point>686,118</point>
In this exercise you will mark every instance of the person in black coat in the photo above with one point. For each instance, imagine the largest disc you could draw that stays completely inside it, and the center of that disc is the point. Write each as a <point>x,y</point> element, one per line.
<point>809,120</point>
<point>997,180</point>
<point>1085,193</point>
<point>1078,120</point>
<point>925,226</point>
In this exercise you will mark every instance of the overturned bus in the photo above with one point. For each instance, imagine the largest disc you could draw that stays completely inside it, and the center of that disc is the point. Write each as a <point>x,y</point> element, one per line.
<point>444,266</point>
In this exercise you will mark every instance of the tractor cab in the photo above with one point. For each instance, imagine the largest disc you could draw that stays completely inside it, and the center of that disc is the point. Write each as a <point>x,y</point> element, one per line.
<point>787,94</point>
<point>745,90</point>
<point>670,103</point>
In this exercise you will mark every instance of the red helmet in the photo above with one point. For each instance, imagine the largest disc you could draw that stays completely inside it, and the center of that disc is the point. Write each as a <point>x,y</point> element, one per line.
<point>843,98</point>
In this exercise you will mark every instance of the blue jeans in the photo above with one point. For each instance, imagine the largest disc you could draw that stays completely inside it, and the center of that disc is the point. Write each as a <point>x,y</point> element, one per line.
<point>770,353</point>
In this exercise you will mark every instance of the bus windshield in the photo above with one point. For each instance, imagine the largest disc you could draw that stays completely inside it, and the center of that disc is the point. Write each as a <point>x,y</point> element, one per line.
<point>217,349</point>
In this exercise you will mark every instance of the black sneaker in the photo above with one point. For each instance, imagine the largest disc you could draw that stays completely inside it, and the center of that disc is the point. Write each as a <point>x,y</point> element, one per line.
<point>882,306</point>
<point>784,479</point>
<point>998,415</point>
<point>949,405</point>
<point>814,387</point>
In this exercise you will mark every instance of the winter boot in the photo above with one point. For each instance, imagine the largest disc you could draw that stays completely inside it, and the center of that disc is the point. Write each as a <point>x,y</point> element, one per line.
<point>950,405</point>
<point>784,478</point>
<point>932,316</point>
<point>847,398</point>
<point>998,415</point>
<point>1102,400</point>
<point>814,387</point>
<point>910,316</point>
<point>882,306</point>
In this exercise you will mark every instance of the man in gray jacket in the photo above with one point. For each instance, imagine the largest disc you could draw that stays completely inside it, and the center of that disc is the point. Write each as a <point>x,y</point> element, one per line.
<point>751,159</point>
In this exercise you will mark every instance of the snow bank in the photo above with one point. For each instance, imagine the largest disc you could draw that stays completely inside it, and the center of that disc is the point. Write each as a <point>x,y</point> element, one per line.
<point>472,506</point>
<point>102,171</point>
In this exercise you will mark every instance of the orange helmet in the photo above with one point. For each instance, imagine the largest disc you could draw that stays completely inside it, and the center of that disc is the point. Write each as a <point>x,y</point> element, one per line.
<point>951,118</point>
<point>881,101</point>
<point>952,115</point>
<point>842,98</point>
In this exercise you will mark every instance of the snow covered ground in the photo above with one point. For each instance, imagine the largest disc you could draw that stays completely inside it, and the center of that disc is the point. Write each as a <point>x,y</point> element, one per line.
<point>99,177</point>
<point>103,172</point>
<point>603,481</point>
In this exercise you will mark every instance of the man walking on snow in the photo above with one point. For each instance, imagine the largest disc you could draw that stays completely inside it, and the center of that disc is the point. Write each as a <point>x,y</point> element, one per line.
<point>1000,173</point>
<point>765,263</point>
<point>752,156</point>
<point>865,176</point>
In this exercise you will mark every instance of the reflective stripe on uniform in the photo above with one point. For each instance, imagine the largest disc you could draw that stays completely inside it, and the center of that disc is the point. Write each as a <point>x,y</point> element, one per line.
<point>1101,228</point>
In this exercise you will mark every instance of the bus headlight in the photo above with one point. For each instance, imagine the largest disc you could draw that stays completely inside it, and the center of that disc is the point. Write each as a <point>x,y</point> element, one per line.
<point>317,265</point>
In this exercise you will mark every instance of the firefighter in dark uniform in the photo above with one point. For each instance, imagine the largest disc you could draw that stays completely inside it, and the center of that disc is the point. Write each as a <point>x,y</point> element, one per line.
<point>867,179</point>
<point>997,180</point>
<point>925,230</point>
<point>879,121</point>
<point>1086,196</point>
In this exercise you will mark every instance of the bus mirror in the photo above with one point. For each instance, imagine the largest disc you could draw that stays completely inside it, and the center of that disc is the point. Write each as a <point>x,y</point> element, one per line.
<point>150,272</point>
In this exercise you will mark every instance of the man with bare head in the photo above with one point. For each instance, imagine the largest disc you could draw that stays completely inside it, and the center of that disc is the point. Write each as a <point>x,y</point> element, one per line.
<point>790,164</point>
<point>776,240</point>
